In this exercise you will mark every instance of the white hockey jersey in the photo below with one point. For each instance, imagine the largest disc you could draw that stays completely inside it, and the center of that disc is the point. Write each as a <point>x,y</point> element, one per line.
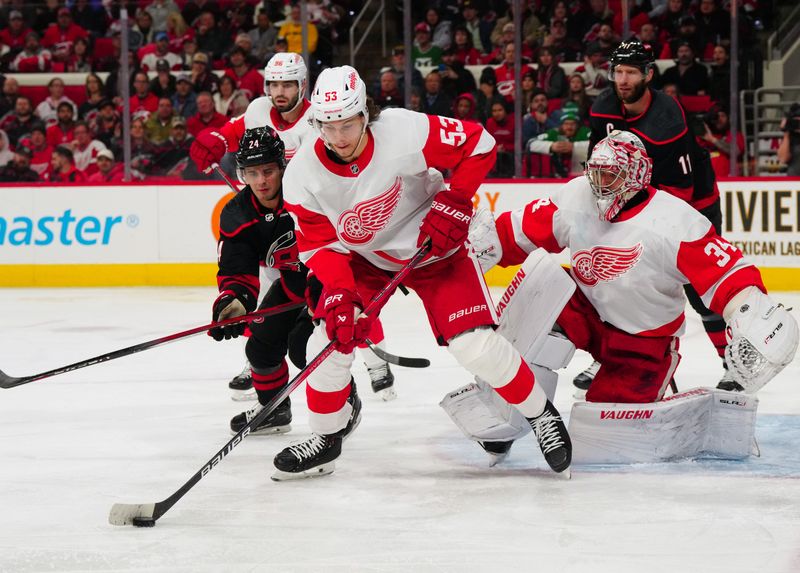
<point>261,113</point>
<point>374,205</point>
<point>633,269</point>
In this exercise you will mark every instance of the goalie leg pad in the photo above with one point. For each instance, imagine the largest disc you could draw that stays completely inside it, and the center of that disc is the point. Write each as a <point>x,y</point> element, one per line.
<point>483,415</point>
<point>556,352</point>
<point>697,423</point>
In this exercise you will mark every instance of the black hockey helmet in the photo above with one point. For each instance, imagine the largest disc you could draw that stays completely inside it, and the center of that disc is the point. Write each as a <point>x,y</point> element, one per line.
<point>259,146</point>
<point>633,53</point>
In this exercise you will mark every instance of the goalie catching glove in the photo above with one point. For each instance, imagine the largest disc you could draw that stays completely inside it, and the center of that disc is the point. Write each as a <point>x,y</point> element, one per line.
<point>227,306</point>
<point>208,149</point>
<point>763,338</point>
<point>447,223</point>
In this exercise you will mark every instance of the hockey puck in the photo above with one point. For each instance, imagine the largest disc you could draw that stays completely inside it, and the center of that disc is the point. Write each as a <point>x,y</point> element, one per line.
<point>144,522</point>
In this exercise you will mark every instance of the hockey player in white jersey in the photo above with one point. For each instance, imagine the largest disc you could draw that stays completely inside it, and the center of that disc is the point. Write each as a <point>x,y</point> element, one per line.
<point>365,196</point>
<point>286,110</point>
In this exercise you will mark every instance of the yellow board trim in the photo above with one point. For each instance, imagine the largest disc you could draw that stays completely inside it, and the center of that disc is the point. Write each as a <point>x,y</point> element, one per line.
<point>204,274</point>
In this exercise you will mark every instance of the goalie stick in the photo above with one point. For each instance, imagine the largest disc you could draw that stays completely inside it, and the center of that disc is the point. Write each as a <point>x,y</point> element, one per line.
<point>7,381</point>
<point>146,514</point>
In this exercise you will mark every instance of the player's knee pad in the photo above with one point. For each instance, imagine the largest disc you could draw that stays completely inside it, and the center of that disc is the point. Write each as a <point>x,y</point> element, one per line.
<point>486,354</point>
<point>701,422</point>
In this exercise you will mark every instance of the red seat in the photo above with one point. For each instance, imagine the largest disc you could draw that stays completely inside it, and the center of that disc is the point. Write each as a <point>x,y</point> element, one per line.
<point>554,104</point>
<point>696,104</point>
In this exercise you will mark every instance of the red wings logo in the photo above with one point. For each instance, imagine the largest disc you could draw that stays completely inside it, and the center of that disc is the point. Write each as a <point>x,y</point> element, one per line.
<point>604,263</point>
<point>358,225</point>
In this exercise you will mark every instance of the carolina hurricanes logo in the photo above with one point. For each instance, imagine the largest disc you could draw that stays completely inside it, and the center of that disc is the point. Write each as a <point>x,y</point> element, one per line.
<point>604,263</point>
<point>358,225</point>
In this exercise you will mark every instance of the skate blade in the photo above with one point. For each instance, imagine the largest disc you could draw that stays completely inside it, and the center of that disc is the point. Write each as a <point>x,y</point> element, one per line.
<point>495,459</point>
<point>319,471</point>
<point>579,394</point>
<point>243,395</point>
<point>566,474</point>
<point>387,394</point>
<point>268,431</point>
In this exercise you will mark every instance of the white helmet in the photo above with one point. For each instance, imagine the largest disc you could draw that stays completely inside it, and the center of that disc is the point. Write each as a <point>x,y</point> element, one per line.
<point>617,170</point>
<point>340,93</point>
<point>287,67</point>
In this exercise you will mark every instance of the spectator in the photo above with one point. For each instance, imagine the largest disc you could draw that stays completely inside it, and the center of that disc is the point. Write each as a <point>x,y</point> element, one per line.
<point>47,109</point>
<point>184,102</point>
<point>498,55</point>
<point>248,80</point>
<point>41,152</point>
<point>230,101</point>
<point>95,94</point>
<point>161,52</point>
<point>79,61</point>
<point>713,23</point>
<point>647,35</point>
<point>159,125</point>
<point>60,36</point>
<point>487,95</point>
<point>606,39</point>
<point>89,17</point>
<point>455,78</point>
<point>178,32</point>
<point>85,149</point>
<point>193,9</point>
<point>18,169</point>
<point>398,66</point>
<point>206,115</point>
<point>292,30</point>
<point>263,37</point>
<point>594,70</point>
<point>550,76</point>
<point>501,126</point>
<point>210,38</point>
<point>507,77</point>
<point>46,14</point>
<point>560,12</point>
<point>480,30</point>
<point>528,88</point>
<point>671,90</point>
<point>171,158</point>
<point>637,16</point>
<point>163,85</point>
<point>18,123</point>
<point>281,45</point>
<point>142,151</point>
<point>536,121</point>
<point>8,98</point>
<point>416,100</point>
<point>244,42</point>
<point>188,53</point>
<point>388,94</point>
<point>687,32</point>
<point>591,20</point>
<point>441,33</point>
<point>33,58</point>
<point>6,154</point>
<point>690,76</point>
<point>142,32</point>
<point>159,11</point>
<point>464,108</point>
<point>203,78</point>
<point>717,139</point>
<point>142,102</point>
<point>61,131</point>
<point>576,94</point>
<point>465,52</point>
<point>789,149</point>
<point>108,171</point>
<point>669,22</point>
<point>424,53</point>
<point>107,124</point>
<point>531,29</point>
<point>14,36</point>
<point>563,46</point>
<point>62,167</point>
<point>240,18</point>
<point>719,86</point>
<point>567,146</point>
<point>434,102</point>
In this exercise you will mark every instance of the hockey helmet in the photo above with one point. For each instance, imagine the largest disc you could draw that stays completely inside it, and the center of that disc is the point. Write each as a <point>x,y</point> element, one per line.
<point>339,94</point>
<point>287,67</point>
<point>259,146</point>
<point>632,53</point>
<point>618,169</point>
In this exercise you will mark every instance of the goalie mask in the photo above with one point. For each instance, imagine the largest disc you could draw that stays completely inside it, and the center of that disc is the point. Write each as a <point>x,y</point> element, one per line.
<point>287,67</point>
<point>617,170</point>
<point>259,146</point>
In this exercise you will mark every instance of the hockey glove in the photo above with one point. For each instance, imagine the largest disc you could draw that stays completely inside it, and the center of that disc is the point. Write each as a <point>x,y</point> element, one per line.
<point>344,324</point>
<point>208,149</point>
<point>227,306</point>
<point>447,223</point>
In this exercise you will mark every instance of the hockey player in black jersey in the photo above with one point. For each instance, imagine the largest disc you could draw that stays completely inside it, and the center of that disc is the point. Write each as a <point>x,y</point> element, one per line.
<point>680,166</point>
<point>255,228</point>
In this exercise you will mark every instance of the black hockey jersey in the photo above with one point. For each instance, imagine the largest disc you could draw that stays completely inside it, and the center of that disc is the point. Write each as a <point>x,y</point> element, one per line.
<point>680,166</point>
<point>251,235</point>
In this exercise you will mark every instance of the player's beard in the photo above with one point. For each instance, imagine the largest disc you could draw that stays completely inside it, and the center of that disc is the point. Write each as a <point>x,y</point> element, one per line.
<point>636,95</point>
<point>287,107</point>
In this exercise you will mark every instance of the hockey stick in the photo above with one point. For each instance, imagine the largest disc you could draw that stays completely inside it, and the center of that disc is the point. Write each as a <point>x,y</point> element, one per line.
<point>406,362</point>
<point>7,381</point>
<point>146,514</point>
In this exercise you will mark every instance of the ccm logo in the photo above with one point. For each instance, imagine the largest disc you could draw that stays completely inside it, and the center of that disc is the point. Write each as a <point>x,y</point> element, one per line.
<point>450,212</point>
<point>466,312</point>
<point>333,298</point>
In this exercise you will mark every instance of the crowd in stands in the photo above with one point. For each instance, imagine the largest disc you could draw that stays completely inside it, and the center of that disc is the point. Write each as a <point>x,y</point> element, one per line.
<point>196,63</point>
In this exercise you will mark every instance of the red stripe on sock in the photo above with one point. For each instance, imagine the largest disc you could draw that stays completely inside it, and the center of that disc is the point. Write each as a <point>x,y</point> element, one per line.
<point>520,386</point>
<point>272,380</point>
<point>326,402</point>
<point>719,341</point>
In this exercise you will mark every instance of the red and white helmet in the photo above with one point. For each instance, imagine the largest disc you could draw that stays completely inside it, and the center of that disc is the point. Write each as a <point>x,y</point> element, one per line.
<point>340,93</point>
<point>617,170</point>
<point>287,67</point>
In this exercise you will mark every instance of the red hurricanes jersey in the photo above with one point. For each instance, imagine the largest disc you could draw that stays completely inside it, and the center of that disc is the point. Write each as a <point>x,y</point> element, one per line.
<point>632,269</point>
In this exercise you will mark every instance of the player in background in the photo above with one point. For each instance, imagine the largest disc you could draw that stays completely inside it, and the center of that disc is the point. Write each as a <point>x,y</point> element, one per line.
<point>286,110</point>
<point>680,166</point>
<point>255,227</point>
<point>632,249</point>
<point>365,197</point>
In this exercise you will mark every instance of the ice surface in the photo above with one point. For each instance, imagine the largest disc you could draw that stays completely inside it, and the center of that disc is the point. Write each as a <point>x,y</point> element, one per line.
<point>409,493</point>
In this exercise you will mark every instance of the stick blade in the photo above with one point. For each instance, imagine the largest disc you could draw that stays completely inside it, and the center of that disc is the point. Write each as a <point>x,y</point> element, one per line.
<point>7,381</point>
<point>126,513</point>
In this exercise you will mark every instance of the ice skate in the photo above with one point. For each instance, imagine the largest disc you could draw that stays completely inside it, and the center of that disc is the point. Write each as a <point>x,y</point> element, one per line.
<point>383,382</point>
<point>498,451</point>
<point>241,386</point>
<point>279,422</point>
<point>583,380</point>
<point>728,383</point>
<point>553,438</point>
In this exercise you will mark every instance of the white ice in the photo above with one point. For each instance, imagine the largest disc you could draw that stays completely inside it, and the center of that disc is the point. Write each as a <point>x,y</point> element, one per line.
<point>409,493</point>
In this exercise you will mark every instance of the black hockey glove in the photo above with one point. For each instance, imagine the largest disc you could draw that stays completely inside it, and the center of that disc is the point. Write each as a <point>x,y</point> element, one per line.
<point>227,306</point>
